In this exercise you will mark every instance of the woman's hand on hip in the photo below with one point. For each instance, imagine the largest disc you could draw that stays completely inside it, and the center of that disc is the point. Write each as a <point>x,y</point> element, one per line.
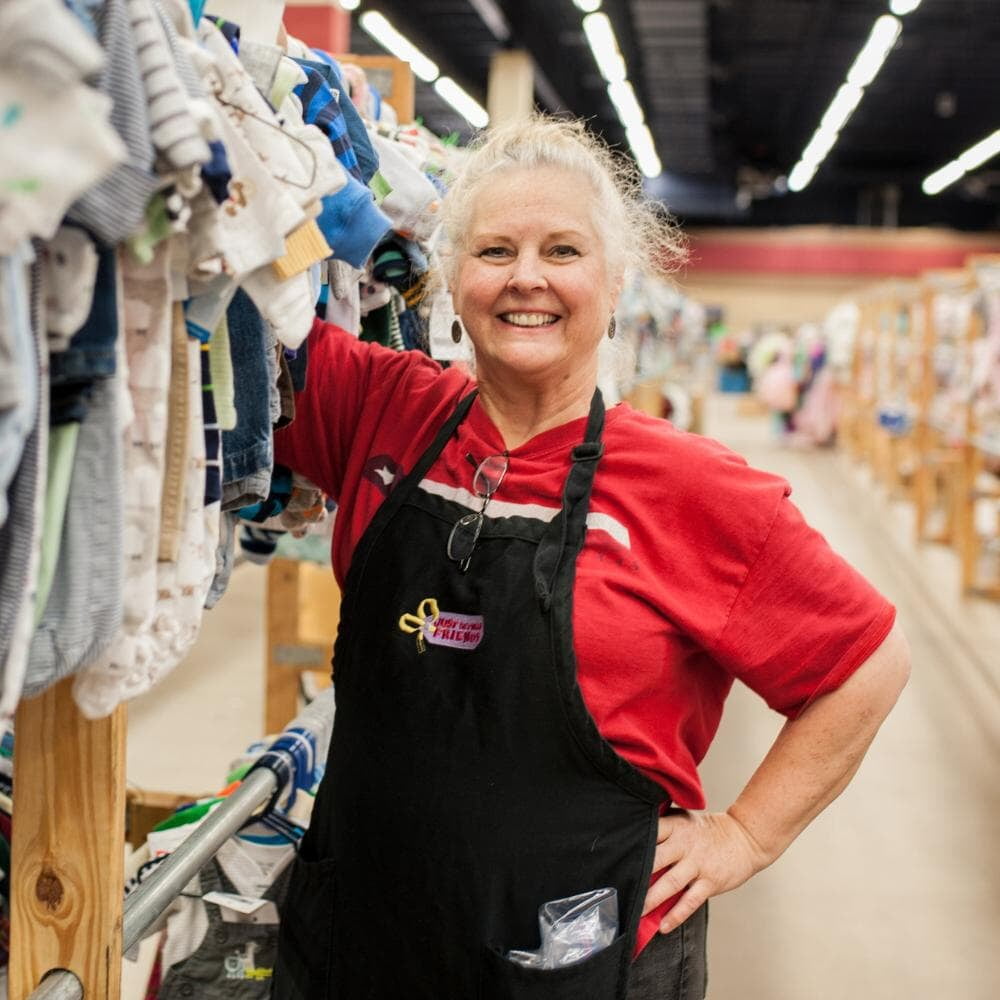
<point>700,855</point>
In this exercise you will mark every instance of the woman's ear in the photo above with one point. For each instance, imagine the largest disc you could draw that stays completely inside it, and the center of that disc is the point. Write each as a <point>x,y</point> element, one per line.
<point>617,284</point>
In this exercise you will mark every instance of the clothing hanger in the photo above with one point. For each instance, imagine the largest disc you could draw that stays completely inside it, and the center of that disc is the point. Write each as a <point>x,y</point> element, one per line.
<point>288,135</point>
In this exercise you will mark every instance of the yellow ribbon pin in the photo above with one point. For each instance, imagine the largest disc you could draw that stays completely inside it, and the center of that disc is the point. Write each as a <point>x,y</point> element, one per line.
<point>422,622</point>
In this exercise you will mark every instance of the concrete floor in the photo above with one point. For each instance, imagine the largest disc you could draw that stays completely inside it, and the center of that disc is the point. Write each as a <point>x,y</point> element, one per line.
<point>893,893</point>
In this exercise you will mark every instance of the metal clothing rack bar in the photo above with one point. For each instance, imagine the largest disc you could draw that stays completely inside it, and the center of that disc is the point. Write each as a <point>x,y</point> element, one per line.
<point>59,985</point>
<point>147,903</point>
<point>144,906</point>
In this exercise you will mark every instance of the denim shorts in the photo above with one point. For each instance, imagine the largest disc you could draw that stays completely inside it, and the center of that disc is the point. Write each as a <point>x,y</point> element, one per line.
<point>673,966</point>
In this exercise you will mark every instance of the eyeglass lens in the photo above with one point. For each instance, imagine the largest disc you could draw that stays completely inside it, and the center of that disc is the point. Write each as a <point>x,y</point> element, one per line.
<point>465,533</point>
<point>489,475</point>
<point>464,536</point>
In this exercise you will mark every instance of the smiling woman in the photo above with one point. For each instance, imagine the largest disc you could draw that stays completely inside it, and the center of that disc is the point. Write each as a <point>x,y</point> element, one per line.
<point>536,295</point>
<point>504,760</point>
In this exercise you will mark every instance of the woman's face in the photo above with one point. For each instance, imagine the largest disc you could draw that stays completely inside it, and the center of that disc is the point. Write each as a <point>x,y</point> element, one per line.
<point>532,285</point>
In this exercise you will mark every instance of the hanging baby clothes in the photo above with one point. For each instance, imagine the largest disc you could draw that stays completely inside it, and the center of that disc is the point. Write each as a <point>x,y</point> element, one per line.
<point>208,191</point>
<point>21,532</point>
<point>222,939</point>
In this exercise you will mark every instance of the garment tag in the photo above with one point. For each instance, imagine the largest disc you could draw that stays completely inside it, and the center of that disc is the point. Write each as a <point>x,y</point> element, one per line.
<point>267,914</point>
<point>230,901</point>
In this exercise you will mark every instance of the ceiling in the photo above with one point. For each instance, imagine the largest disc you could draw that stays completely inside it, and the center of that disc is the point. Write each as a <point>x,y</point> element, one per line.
<point>733,90</point>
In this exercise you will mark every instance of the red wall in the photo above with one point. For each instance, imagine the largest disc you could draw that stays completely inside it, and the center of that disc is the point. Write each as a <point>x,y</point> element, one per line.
<point>321,26</point>
<point>822,251</point>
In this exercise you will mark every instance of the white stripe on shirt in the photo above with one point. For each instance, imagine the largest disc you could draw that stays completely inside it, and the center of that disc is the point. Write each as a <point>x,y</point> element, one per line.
<point>504,508</point>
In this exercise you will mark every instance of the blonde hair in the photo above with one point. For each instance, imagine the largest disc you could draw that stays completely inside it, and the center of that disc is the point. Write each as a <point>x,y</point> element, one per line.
<point>637,233</point>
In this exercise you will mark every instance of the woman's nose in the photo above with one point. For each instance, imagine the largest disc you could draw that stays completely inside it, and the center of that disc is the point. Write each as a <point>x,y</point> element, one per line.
<point>527,273</point>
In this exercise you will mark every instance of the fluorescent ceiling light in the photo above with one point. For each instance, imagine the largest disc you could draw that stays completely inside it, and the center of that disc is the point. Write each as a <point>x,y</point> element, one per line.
<point>841,107</point>
<point>902,7</point>
<point>399,45</point>
<point>463,103</point>
<point>627,105</point>
<point>873,54</point>
<point>644,150</point>
<point>820,144</point>
<point>350,4</point>
<point>945,177</point>
<point>802,173</point>
<point>974,156</point>
<point>880,42</point>
<point>590,5</point>
<point>977,155</point>
<point>604,45</point>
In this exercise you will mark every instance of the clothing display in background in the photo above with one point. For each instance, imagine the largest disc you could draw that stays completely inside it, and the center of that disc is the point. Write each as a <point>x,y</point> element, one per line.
<point>180,206</point>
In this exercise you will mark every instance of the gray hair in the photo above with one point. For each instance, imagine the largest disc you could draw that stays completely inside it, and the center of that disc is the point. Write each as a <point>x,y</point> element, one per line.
<point>637,234</point>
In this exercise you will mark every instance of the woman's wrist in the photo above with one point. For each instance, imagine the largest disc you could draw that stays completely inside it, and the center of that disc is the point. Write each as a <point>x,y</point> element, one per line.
<point>764,846</point>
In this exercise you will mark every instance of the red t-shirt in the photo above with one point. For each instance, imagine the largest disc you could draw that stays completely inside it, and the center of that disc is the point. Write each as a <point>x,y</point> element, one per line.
<point>696,568</point>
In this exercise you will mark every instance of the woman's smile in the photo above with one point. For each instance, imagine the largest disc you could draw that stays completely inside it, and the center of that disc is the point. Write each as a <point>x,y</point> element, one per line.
<point>528,319</point>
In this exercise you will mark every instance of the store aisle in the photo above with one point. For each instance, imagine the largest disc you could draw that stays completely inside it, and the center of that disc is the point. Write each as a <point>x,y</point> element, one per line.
<point>895,891</point>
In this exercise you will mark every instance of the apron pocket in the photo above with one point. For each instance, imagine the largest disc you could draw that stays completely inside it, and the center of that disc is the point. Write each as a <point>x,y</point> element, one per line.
<point>305,938</point>
<point>595,978</point>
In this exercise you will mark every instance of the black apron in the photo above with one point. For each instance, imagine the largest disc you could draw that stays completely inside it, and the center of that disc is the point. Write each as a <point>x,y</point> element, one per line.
<point>467,783</point>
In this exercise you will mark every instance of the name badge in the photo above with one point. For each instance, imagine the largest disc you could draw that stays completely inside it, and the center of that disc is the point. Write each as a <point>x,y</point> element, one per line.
<point>442,628</point>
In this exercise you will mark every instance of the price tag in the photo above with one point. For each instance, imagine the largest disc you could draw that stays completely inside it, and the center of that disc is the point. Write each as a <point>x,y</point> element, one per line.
<point>230,901</point>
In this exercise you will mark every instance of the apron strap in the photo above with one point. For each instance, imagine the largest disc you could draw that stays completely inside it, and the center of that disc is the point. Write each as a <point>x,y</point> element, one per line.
<point>429,457</point>
<point>396,498</point>
<point>566,531</point>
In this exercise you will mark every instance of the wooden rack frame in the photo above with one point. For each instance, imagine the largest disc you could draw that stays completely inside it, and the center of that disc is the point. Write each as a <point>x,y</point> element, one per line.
<point>978,486</point>
<point>937,493</point>
<point>944,469</point>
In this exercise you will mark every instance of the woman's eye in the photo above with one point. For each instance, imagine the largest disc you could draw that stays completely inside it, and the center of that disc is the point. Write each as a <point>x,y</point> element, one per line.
<point>564,250</point>
<point>493,252</point>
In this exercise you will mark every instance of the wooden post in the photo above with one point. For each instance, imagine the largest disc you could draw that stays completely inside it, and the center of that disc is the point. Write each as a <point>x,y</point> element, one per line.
<point>68,845</point>
<point>971,467</point>
<point>926,472</point>
<point>303,611</point>
<point>510,93</point>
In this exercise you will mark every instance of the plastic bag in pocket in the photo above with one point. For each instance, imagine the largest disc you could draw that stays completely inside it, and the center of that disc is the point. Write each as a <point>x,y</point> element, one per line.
<point>572,929</point>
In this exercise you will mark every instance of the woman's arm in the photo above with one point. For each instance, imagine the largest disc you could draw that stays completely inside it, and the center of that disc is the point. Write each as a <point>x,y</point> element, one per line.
<point>808,766</point>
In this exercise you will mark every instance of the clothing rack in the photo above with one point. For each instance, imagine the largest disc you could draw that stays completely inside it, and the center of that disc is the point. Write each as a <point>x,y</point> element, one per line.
<point>69,927</point>
<point>938,459</point>
<point>143,907</point>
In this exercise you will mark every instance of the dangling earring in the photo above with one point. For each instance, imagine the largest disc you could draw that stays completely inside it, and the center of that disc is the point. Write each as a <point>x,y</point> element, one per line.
<point>611,328</point>
<point>456,330</point>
